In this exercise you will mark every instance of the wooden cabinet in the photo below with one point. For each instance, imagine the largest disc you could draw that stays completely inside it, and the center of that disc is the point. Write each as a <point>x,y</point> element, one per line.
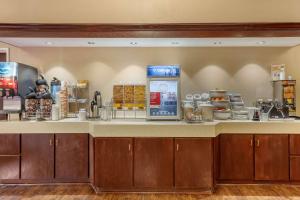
<point>113,162</point>
<point>37,156</point>
<point>154,163</point>
<point>148,164</point>
<point>272,157</point>
<point>9,156</point>
<point>72,156</point>
<point>295,157</point>
<point>193,163</point>
<point>269,154</point>
<point>236,157</point>
<point>65,154</point>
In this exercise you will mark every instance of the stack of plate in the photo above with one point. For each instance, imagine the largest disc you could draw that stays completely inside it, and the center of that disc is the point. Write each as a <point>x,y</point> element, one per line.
<point>240,115</point>
<point>237,105</point>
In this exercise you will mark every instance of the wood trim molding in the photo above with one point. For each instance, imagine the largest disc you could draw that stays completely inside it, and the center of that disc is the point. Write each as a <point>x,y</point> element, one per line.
<point>175,30</point>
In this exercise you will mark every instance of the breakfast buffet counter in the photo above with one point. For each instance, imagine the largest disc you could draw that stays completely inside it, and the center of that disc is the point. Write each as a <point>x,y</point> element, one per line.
<point>137,128</point>
<point>149,156</point>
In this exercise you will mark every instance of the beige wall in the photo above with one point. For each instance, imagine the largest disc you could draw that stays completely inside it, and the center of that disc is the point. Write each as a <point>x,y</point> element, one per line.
<point>19,55</point>
<point>244,70</point>
<point>148,11</point>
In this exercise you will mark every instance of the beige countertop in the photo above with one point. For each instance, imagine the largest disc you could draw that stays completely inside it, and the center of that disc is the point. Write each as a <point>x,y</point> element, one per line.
<point>63,126</point>
<point>142,128</point>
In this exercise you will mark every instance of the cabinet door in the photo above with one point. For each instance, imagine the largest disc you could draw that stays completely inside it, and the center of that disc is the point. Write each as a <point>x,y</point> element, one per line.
<point>236,157</point>
<point>9,144</point>
<point>37,160</point>
<point>113,163</point>
<point>193,163</point>
<point>153,163</point>
<point>9,156</point>
<point>295,144</point>
<point>71,156</point>
<point>271,157</point>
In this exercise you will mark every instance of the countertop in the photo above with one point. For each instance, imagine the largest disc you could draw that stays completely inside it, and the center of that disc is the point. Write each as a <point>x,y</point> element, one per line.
<point>143,128</point>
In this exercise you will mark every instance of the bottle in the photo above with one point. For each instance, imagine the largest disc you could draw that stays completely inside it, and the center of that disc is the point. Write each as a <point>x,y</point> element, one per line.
<point>38,114</point>
<point>82,114</point>
<point>282,73</point>
<point>55,87</point>
<point>256,116</point>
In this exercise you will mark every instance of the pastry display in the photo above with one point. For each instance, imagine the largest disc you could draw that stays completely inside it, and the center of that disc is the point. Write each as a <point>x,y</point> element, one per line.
<point>129,96</point>
<point>31,106</point>
<point>118,95</point>
<point>46,107</point>
<point>218,98</point>
<point>139,96</point>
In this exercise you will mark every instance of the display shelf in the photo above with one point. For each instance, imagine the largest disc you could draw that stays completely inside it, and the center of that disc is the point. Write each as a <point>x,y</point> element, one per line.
<point>78,98</point>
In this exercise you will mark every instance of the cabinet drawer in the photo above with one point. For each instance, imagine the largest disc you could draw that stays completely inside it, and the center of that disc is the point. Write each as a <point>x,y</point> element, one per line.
<point>295,168</point>
<point>9,167</point>
<point>295,144</point>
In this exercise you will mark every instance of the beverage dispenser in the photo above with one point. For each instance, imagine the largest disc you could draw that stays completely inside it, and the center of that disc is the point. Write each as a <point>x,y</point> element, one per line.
<point>163,92</point>
<point>15,79</point>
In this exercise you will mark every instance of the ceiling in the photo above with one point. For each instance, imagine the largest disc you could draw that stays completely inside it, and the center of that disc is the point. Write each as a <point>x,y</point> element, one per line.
<point>153,42</point>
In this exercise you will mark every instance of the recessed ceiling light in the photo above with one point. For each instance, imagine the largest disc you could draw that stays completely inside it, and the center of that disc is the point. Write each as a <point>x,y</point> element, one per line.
<point>217,43</point>
<point>133,43</point>
<point>175,43</point>
<point>49,43</point>
<point>261,42</point>
<point>91,43</point>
